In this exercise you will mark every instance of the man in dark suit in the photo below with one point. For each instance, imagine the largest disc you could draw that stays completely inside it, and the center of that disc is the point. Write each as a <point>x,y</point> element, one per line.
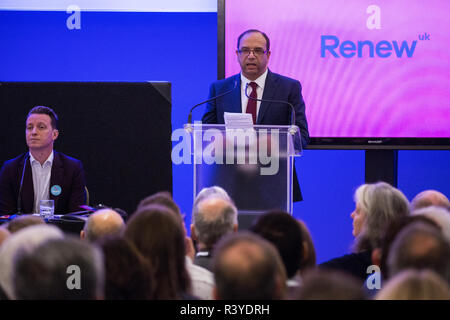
<point>253,53</point>
<point>44,173</point>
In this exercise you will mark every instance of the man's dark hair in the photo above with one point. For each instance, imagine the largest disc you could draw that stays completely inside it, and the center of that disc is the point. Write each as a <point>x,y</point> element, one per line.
<point>284,232</point>
<point>254,31</point>
<point>48,111</point>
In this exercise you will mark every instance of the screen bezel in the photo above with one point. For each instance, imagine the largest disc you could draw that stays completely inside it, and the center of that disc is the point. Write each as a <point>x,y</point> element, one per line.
<point>362,143</point>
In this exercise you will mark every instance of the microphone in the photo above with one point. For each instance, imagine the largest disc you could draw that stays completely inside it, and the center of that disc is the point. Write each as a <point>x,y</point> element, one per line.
<point>209,100</point>
<point>19,197</point>
<point>276,101</point>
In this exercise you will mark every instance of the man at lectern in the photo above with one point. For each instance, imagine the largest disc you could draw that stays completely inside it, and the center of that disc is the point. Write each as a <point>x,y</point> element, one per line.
<point>41,173</point>
<point>257,82</point>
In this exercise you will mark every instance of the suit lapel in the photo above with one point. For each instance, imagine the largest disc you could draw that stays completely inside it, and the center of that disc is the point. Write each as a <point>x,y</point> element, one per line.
<point>236,103</point>
<point>270,88</point>
<point>56,177</point>
<point>27,186</point>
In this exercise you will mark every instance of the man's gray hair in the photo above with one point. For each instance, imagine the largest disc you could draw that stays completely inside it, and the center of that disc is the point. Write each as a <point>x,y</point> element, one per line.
<point>212,226</point>
<point>23,241</point>
<point>46,272</point>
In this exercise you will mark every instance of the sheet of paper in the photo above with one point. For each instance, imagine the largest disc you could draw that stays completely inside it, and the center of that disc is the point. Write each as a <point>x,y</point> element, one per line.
<point>235,120</point>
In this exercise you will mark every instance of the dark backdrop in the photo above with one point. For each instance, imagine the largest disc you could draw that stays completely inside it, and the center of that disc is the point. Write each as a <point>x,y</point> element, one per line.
<point>121,131</point>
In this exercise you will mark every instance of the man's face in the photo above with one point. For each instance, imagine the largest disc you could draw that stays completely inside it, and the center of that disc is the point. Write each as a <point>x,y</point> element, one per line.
<point>253,64</point>
<point>39,132</point>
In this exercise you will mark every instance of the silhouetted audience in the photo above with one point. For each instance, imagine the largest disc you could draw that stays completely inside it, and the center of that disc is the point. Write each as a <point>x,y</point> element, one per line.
<point>60,269</point>
<point>328,285</point>
<point>23,241</point>
<point>202,280</point>
<point>415,285</point>
<point>158,235</point>
<point>285,233</point>
<point>309,250</point>
<point>128,276</point>
<point>420,246</point>
<point>248,267</point>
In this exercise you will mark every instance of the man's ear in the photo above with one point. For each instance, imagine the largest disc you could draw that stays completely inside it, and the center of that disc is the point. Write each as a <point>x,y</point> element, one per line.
<point>376,256</point>
<point>235,227</point>
<point>215,293</point>
<point>82,235</point>
<point>55,134</point>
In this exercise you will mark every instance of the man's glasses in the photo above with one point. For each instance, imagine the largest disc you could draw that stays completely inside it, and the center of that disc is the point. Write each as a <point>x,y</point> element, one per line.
<point>257,52</point>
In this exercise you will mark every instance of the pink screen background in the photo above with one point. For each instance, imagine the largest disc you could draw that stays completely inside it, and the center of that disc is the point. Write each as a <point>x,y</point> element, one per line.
<point>356,97</point>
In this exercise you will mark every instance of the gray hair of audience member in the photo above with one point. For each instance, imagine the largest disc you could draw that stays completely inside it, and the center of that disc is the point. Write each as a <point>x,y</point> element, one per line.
<point>383,204</point>
<point>25,240</point>
<point>213,217</point>
<point>50,271</point>
<point>248,267</point>
<point>439,215</point>
<point>419,246</point>
<point>415,285</point>
<point>24,221</point>
<point>430,198</point>
<point>318,284</point>
<point>215,191</point>
<point>104,222</point>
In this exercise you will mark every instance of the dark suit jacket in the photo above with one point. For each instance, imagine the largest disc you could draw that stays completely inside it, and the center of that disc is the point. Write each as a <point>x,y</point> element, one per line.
<point>66,172</point>
<point>277,87</point>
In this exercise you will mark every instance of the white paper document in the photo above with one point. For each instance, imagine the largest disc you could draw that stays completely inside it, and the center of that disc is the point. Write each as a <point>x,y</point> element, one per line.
<point>235,120</point>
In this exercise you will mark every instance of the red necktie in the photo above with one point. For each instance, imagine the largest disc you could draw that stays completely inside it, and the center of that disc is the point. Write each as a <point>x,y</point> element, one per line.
<point>251,105</point>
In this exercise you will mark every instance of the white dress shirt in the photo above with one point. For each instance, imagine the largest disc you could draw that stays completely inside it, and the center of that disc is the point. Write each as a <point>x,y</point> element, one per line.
<point>202,280</point>
<point>259,91</point>
<point>41,179</point>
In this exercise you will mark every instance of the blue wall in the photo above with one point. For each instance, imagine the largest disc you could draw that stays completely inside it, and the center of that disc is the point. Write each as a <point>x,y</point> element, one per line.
<point>182,48</point>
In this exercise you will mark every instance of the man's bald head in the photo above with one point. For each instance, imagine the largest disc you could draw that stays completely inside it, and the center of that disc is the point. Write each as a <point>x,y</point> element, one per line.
<point>102,223</point>
<point>429,198</point>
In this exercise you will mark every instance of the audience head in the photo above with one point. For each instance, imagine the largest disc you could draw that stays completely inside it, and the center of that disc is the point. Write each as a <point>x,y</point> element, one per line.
<point>104,222</point>
<point>213,217</point>
<point>439,215</point>
<point>381,253</point>
<point>284,232</point>
<point>214,191</point>
<point>247,267</point>
<point>329,285</point>
<point>63,269</point>
<point>163,198</point>
<point>429,198</point>
<point>158,235</point>
<point>377,205</point>
<point>419,246</point>
<point>4,234</point>
<point>309,250</point>
<point>415,285</point>
<point>24,221</point>
<point>24,241</point>
<point>127,274</point>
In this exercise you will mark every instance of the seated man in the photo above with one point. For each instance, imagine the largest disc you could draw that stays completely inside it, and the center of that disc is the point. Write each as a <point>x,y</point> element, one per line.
<point>41,173</point>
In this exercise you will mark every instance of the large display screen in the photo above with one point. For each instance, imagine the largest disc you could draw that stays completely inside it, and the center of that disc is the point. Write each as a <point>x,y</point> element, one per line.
<point>372,72</point>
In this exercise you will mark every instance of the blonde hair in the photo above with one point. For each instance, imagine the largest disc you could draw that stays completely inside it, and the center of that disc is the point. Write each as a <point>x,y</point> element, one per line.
<point>383,204</point>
